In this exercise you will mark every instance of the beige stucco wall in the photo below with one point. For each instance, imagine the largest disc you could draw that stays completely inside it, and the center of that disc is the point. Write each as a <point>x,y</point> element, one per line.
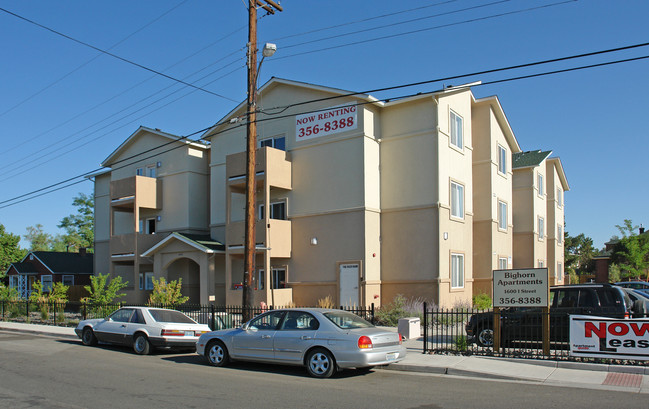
<point>555,214</point>
<point>529,205</point>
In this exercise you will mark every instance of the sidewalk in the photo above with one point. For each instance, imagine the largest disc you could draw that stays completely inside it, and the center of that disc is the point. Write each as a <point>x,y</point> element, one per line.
<point>545,372</point>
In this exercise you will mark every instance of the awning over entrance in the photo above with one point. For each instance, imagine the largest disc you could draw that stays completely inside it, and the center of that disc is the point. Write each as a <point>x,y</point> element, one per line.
<point>199,242</point>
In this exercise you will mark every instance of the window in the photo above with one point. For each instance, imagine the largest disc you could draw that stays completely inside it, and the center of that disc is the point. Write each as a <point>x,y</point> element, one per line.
<point>457,137</point>
<point>261,280</point>
<point>559,272</point>
<point>278,142</point>
<point>559,234</point>
<point>68,280</point>
<point>541,264</point>
<point>539,182</point>
<point>457,270</point>
<point>46,282</point>
<point>559,197</point>
<point>457,200</point>
<point>278,278</point>
<point>268,321</point>
<point>147,226</point>
<point>148,281</point>
<point>300,320</point>
<point>502,263</point>
<point>502,215</point>
<point>13,282</point>
<point>141,281</point>
<point>139,171</point>
<point>277,211</point>
<point>150,171</point>
<point>541,228</point>
<point>502,160</point>
<point>123,315</point>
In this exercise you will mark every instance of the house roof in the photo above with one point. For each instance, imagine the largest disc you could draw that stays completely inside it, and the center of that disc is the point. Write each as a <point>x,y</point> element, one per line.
<point>56,262</point>
<point>562,175</point>
<point>529,159</point>
<point>142,129</point>
<point>498,111</point>
<point>200,242</point>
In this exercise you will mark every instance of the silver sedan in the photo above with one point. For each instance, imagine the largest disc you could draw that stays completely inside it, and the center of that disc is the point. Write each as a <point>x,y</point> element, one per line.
<point>323,340</point>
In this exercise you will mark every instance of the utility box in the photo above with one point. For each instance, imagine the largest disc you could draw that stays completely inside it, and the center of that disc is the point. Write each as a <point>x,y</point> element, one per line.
<point>410,327</point>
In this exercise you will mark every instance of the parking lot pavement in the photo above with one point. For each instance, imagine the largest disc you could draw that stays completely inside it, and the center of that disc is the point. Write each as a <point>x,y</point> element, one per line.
<point>569,374</point>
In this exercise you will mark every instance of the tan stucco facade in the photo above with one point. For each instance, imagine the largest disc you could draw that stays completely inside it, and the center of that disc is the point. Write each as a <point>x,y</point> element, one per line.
<point>382,199</point>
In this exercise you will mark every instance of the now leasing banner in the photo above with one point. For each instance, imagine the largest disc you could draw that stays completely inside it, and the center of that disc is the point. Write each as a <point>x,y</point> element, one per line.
<point>600,337</point>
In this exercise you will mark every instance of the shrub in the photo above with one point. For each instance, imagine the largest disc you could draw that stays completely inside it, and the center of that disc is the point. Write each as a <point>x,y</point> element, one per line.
<point>167,293</point>
<point>481,301</point>
<point>461,344</point>
<point>389,314</point>
<point>326,302</point>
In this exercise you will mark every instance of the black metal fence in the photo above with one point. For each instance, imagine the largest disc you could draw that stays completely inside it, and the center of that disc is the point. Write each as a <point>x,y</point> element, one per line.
<point>472,332</point>
<point>70,313</point>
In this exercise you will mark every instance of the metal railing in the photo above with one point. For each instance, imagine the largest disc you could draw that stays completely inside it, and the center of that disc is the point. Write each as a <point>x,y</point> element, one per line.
<point>70,313</point>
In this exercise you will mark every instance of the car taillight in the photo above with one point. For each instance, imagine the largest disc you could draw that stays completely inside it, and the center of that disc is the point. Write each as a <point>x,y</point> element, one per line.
<point>400,339</point>
<point>364,342</point>
<point>172,333</point>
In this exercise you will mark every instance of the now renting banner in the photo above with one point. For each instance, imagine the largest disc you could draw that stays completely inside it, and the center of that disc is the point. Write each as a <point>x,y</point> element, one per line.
<point>600,337</point>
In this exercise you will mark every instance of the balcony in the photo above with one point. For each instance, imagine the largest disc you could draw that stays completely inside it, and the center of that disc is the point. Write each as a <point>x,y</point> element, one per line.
<point>279,237</point>
<point>128,247</point>
<point>136,191</point>
<point>271,164</point>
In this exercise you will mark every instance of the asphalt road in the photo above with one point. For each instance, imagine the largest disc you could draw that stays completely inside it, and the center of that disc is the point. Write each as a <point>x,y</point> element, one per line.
<point>42,371</point>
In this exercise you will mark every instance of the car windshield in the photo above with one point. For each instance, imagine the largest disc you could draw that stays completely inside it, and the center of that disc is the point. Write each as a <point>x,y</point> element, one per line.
<point>171,316</point>
<point>347,320</point>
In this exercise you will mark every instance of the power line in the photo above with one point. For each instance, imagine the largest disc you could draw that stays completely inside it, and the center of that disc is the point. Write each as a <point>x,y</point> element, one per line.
<point>422,29</point>
<point>312,111</point>
<point>114,55</point>
<point>91,60</point>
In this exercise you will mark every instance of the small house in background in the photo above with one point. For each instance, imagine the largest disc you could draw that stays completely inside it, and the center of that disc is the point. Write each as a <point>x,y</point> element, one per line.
<point>49,267</point>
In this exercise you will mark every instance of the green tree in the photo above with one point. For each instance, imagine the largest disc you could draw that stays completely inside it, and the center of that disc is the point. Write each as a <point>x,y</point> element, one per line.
<point>38,239</point>
<point>167,293</point>
<point>578,254</point>
<point>10,251</point>
<point>631,253</point>
<point>80,226</point>
<point>103,291</point>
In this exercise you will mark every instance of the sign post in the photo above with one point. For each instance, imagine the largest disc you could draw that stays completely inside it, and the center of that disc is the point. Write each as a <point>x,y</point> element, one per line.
<point>522,288</point>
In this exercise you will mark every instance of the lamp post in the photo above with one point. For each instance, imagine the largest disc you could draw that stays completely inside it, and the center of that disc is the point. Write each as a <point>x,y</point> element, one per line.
<point>251,148</point>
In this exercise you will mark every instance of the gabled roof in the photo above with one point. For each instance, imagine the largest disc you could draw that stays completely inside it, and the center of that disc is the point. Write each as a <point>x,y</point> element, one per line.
<point>200,242</point>
<point>529,159</point>
<point>139,132</point>
<point>57,262</point>
<point>274,82</point>
<point>562,176</point>
<point>498,111</point>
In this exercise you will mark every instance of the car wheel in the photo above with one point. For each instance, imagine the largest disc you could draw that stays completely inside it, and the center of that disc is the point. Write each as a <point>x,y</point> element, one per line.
<point>320,363</point>
<point>88,337</point>
<point>485,337</point>
<point>217,354</point>
<point>141,345</point>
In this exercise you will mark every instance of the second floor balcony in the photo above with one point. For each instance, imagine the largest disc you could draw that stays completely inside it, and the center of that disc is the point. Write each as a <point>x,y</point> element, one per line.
<point>272,164</point>
<point>136,191</point>
<point>278,242</point>
<point>129,247</point>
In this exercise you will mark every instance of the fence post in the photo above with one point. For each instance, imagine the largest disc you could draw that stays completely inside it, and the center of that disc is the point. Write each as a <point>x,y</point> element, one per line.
<point>54,311</point>
<point>425,328</point>
<point>213,318</point>
<point>372,313</point>
<point>27,311</point>
<point>85,311</point>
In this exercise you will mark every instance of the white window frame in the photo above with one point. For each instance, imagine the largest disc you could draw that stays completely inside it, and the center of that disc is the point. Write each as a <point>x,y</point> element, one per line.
<point>13,282</point>
<point>559,271</point>
<point>151,171</point>
<point>501,261</point>
<point>139,171</point>
<point>457,270</point>
<point>502,216</point>
<point>145,226</point>
<point>273,141</point>
<point>539,182</point>
<point>502,160</point>
<point>148,281</point>
<point>456,130</point>
<point>47,287</point>
<point>457,209</point>
<point>141,281</point>
<point>559,234</point>
<point>541,227</point>
<point>559,197</point>
<point>261,207</point>
<point>68,277</point>
<point>541,263</point>
<point>274,278</point>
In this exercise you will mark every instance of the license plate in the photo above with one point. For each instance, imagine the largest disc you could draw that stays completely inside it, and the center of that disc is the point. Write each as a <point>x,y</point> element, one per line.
<point>189,333</point>
<point>391,356</point>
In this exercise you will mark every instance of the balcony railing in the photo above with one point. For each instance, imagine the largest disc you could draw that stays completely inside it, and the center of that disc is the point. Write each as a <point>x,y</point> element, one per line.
<point>279,242</point>
<point>272,164</point>
<point>138,191</point>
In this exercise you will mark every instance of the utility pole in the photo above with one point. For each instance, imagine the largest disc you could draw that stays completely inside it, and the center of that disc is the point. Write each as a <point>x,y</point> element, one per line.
<point>251,150</point>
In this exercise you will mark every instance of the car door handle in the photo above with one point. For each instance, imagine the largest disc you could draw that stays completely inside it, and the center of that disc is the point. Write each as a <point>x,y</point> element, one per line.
<point>265,336</point>
<point>306,337</point>
<point>123,325</point>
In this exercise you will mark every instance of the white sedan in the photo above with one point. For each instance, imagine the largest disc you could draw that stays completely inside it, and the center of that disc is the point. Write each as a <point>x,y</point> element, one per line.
<point>144,328</point>
<point>323,340</point>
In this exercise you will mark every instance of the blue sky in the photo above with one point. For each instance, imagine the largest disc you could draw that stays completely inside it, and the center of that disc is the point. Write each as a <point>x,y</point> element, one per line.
<point>65,107</point>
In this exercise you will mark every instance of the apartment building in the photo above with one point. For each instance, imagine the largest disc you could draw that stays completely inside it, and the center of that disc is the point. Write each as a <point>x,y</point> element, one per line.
<point>538,187</point>
<point>357,199</point>
<point>152,202</point>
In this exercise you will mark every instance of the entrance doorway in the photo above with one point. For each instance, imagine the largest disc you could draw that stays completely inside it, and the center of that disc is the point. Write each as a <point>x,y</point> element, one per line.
<point>349,283</point>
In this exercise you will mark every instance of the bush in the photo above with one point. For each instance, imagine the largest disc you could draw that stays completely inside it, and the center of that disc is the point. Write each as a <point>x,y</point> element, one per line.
<point>167,293</point>
<point>389,314</point>
<point>482,301</point>
<point>461,344</point>
<point>326,302</point>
